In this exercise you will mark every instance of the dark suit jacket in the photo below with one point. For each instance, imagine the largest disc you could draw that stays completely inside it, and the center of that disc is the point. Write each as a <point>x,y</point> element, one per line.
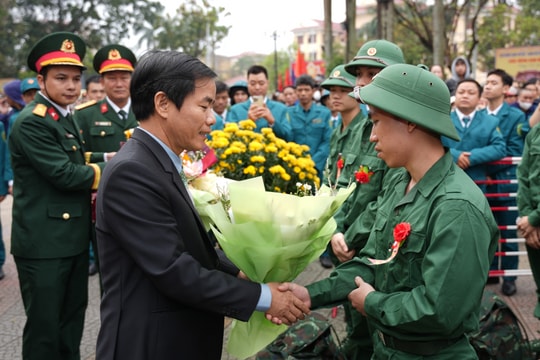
<point>166,290</point>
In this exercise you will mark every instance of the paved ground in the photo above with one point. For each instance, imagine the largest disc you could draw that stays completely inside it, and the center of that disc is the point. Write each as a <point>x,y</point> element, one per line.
<point>12,316</point>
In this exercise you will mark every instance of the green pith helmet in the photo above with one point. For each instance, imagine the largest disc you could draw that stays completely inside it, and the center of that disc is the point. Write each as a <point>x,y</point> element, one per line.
<point>413,94</point>
<point>59,48</point>
<point>376,53</point>
<point>114,58</point>
<point>339,77</point>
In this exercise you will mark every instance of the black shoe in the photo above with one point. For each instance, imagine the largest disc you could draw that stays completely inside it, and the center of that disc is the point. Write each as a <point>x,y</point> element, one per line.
<point>92,269</point>
<point>492,280</point>
<point>326,262</point>
<point>2,274</point>
<point>509,287</point>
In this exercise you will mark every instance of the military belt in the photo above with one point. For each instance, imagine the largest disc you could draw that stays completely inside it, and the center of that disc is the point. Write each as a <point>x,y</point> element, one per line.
<point>423,348</point>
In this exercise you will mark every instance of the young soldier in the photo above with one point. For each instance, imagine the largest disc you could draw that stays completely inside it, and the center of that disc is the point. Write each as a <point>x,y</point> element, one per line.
<point>51,226</point>
<point>431,228</point>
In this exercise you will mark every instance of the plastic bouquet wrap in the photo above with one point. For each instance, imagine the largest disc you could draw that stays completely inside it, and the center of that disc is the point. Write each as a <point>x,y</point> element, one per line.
<point>271,237</point>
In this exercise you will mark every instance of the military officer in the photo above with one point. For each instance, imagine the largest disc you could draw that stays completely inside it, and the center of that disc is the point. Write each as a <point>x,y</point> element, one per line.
<point>431,228</point>
<point>104,123</point>
<point>51,222</point>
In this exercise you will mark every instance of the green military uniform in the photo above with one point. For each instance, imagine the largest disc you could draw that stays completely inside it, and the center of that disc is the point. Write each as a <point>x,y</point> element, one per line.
<point>528,198</point>
<point>353,148</point>
<point>102,128</point>
<point>420,306</point>
<point>51,222</point>
<point>420,294</point>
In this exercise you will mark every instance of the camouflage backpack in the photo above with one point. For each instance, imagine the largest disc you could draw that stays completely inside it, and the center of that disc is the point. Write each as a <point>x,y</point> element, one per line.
<point>311,338</point>
<point>500,335</point>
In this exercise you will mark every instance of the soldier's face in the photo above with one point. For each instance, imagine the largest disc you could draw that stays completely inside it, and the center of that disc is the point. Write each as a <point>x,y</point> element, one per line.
<point>61,84</point>
<point>116,84</point>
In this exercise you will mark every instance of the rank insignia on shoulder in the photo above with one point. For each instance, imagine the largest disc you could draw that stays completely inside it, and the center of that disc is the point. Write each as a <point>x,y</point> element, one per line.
<point>104,108</point>
<point>40,110</point>
<point>54,114</point>
<point>85,105</point>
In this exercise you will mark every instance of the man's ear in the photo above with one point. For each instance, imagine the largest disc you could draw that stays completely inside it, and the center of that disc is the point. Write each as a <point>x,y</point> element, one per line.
<point>161,103</point>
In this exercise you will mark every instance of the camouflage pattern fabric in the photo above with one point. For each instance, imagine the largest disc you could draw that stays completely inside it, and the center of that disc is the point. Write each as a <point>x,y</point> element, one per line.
<point>311,338</point>
<point>500,335</point>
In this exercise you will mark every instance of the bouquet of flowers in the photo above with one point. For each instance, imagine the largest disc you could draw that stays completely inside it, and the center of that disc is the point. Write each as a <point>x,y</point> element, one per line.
<point>271,237</point>
<point>243,154</point>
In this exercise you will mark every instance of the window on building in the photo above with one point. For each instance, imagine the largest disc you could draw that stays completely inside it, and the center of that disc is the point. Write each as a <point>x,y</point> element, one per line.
<point>300,39</point>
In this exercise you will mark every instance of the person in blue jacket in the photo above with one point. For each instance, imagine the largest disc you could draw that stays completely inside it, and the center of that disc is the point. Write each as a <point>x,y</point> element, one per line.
<point>266,112</point>
<point>310,123</point>
<point>481,141</point>
<point>510,121</point>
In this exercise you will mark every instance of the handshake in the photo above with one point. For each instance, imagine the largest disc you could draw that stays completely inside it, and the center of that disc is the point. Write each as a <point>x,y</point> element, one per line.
<point>290,303</point>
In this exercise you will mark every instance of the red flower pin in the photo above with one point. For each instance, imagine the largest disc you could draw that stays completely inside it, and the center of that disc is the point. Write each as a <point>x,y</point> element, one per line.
<point>363,174</point>
<point>401,232</point>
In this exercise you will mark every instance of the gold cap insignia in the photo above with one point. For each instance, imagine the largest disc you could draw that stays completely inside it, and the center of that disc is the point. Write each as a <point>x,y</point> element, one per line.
<point>68,46</point>
<point>114,54</point>
<point>336,73</point>
<point>371,51</point>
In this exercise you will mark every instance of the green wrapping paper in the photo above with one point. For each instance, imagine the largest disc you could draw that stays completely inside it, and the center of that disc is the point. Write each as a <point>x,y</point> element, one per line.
<point>271,237</point>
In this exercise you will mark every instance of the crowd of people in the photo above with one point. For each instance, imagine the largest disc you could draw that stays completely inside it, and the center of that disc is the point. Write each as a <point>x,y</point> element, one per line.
<point>86,200</point>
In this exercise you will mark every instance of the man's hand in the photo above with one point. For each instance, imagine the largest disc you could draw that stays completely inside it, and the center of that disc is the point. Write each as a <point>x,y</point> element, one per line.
<point>108,156</point>
<point>463,160</point>
<point>340,248</point>
<point>358,297</point>
<point>257,112</point>
<point>286,307</point>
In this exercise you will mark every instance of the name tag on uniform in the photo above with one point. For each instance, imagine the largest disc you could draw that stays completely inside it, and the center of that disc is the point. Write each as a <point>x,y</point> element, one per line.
<point>102,123</point>
<point>316,121</point>
<point>70,136</point>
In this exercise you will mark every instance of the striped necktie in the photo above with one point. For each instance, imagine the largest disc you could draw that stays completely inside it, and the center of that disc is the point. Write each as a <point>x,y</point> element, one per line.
<point>122,114</point>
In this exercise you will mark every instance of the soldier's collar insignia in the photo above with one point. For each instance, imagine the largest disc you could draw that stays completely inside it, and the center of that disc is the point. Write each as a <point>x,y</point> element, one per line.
<point>54,114</point>
<point>104,108</point>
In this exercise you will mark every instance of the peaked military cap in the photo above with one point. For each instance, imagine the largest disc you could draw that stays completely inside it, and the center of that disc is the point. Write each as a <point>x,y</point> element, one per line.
<point>414,94</point>
<point>376,53</point>
<point>59,48</point>
<point>114,58</point>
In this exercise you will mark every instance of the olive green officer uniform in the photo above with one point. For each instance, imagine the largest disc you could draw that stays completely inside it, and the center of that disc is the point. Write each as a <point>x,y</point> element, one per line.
<point>103,128</point>
<point>528,198</point>
<point>357,153</point>
<point>420,308</point>
<point>51,225</point>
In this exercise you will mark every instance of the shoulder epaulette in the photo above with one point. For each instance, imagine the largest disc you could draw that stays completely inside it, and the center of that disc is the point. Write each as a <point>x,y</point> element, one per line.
<point>85,105</point>
<point>40,110</point>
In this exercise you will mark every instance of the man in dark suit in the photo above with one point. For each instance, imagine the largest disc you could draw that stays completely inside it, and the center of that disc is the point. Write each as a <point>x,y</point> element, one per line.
<point>51,203</point>
<point>166,289</point>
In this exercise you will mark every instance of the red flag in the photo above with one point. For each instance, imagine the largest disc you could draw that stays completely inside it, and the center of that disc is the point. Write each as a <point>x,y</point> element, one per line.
<point>279,82</point>
<point>288,77</point>
<point>300,65</point>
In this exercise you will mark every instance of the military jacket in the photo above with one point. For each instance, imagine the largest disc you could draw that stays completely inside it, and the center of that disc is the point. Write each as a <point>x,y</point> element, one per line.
<point>312,128</point>
<point>432,289</point>
<point>103,130</point>
<point>510,123</point>
<point>352,145</point>
<point>52,184</point>
<point>528,172</point>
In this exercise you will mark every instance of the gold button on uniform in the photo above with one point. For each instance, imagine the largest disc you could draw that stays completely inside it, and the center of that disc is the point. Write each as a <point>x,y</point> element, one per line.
<point>74,148</point>
<point>65,216</point>
<point>102,133</point>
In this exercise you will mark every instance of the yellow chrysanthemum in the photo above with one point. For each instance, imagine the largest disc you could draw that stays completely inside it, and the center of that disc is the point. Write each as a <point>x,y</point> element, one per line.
<point>255,146</point>
<point>250,170</point>
<point>257,159</point>
<point>247,124</point>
